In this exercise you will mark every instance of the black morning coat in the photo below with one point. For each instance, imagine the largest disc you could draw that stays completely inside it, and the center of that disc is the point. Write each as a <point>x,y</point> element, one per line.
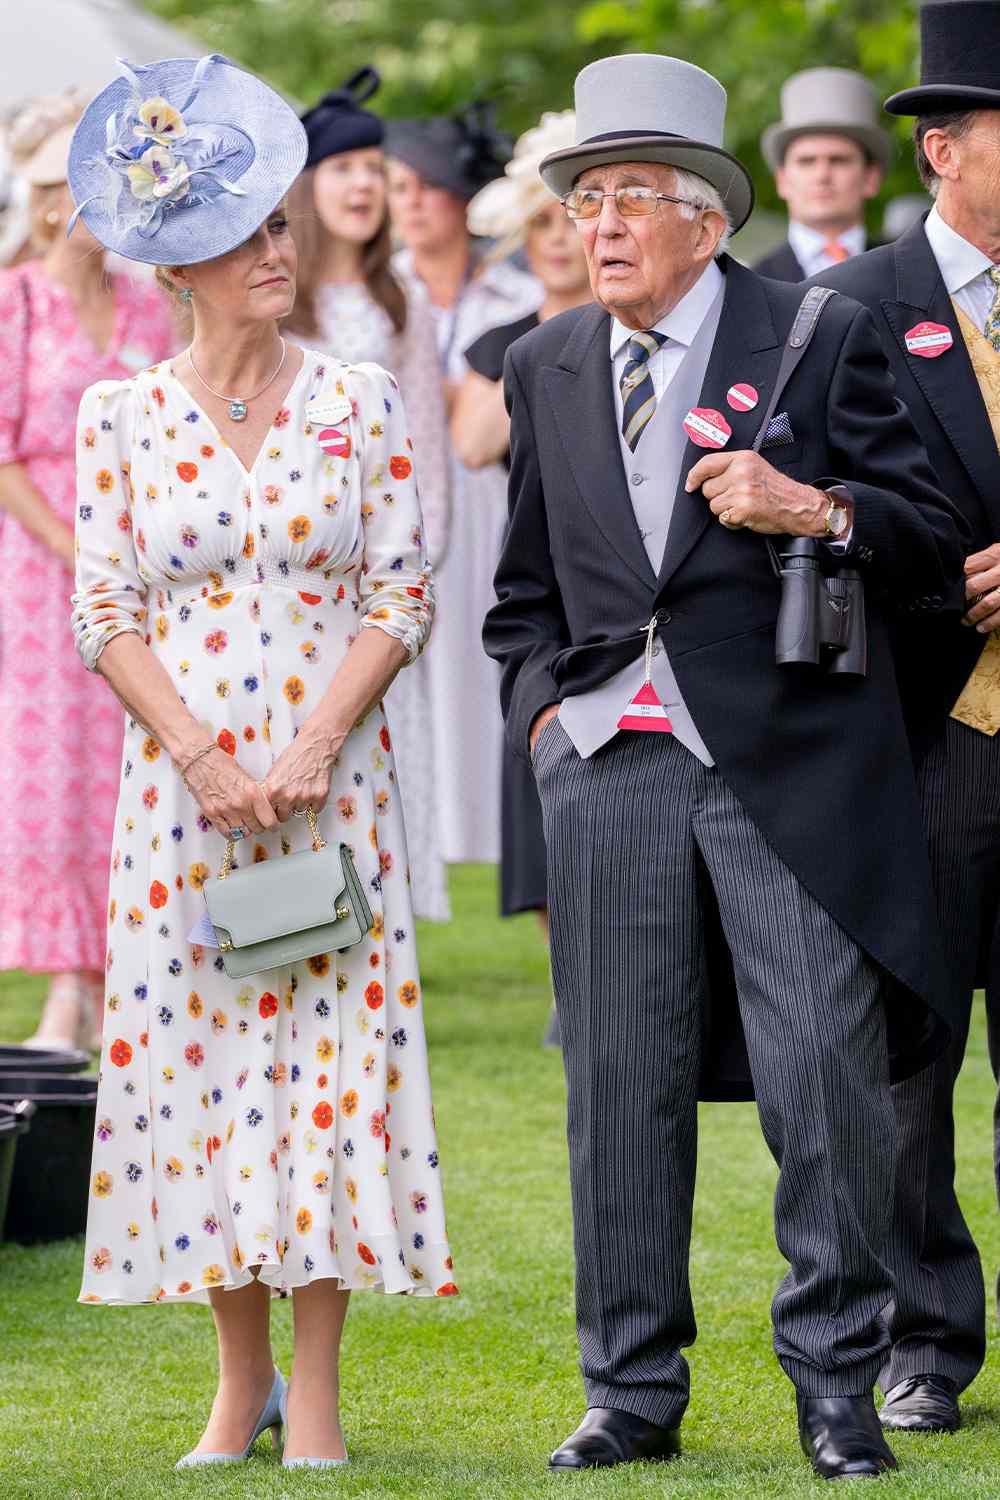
<point>902,286</point>
<point>820,762</point>
<point>782,264</point>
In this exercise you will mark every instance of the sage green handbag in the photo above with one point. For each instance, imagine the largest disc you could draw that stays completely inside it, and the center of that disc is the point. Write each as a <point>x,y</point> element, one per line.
<point>284,910</point>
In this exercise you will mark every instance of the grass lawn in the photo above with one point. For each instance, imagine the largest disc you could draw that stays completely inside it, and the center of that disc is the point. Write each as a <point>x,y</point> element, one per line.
<point>463,1399</point>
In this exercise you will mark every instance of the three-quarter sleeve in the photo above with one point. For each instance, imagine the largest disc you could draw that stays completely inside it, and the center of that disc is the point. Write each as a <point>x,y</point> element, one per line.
<point>110,594</point>
<point>422,386</point>
<point>13,361</point>
<point>395,586</point>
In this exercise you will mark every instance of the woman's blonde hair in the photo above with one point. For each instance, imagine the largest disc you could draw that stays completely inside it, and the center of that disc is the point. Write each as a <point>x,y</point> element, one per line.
<point>38,138</point>
<point>309,233</point>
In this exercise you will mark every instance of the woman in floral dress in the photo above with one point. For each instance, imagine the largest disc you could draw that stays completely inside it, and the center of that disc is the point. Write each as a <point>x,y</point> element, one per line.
<point>64,322</point>
<point>251,577</point>
<point>350,303</point>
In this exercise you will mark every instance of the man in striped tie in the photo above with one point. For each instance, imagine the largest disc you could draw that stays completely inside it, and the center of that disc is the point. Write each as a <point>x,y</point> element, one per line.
<point>828,154</point>
<point>737,877</point>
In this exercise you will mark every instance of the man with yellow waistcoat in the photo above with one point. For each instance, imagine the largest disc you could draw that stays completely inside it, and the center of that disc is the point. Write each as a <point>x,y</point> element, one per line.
<point>935,295</point>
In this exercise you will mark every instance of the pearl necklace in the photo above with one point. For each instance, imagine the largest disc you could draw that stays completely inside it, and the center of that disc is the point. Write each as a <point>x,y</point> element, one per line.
<point>240,405</point>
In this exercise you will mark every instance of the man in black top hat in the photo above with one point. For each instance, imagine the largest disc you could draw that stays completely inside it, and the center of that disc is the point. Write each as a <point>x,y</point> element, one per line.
<point>935,296</point>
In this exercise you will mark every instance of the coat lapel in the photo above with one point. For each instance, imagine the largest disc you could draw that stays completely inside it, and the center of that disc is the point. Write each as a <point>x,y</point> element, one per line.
<point>746,348</point>
<point>583,407</point>
<point>948,383</point>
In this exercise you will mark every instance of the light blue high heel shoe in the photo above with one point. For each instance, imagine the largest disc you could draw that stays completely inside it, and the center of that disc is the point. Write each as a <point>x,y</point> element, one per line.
<point>271,1418</point>
<point>306,1463</point>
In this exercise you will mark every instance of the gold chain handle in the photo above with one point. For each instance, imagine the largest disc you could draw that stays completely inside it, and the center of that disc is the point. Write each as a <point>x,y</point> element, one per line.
<point>318,843</point>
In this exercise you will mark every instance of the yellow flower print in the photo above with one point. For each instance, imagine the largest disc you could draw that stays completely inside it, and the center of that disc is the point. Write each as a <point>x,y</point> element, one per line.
<point>324,1049</point>
<point>329,504</point>
<point>150,748</point>
<point>162,627</point>
<point>230,1128</point>
<point>168,1075</point>
<point>219,1021</point>
<point>246,1173</point>
<point>103,1184</point>
<point>197,875</point>
<point>237,1257</point>
<point>173,1168</point>
<point>133,1231</point>
<point>222,688</point>
<point>378,926</point>
<point>105,481</point>
<point>321,1181</point>
<point>408,994</point>
<point>246,997</point>
<point>393,1078</point>
<point>195,1005</point>
<point>299,528</point>
<point>303,1221</point>
<point>135,918</point>
<point>368,1065</point>
<point>294,689</point>
<point>213,1276</point>
<point>112,910</point>
<point>319,965</point>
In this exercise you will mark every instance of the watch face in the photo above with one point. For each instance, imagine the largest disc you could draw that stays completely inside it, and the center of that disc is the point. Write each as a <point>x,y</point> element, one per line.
<point>837,520</point>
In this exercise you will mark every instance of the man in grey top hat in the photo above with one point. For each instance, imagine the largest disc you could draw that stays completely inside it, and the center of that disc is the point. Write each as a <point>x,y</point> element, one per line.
<point>737,876</point>
<point>828,154</point>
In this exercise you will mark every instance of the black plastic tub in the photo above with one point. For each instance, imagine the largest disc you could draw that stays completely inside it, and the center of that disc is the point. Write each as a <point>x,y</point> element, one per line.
<point>48,1193</point>
<point>15,1121</point>
<point>35,1060</point>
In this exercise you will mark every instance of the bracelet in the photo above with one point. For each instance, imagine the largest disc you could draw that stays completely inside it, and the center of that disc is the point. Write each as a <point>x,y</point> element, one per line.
<point>205,749</point>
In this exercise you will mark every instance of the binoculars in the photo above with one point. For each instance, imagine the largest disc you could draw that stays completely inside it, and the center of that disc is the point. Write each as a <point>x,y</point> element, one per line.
<point>821,620</point>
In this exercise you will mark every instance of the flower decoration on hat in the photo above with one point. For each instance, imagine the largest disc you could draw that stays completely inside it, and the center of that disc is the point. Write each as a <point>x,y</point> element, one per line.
<point>154,161</point>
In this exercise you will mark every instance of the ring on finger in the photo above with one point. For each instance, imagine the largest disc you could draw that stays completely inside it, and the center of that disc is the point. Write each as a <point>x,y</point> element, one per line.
<point>238,833</point>
<point>727,521</point>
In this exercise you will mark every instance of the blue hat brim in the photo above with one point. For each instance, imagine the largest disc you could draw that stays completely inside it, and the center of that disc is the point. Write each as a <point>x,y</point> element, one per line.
<point>192,232</point>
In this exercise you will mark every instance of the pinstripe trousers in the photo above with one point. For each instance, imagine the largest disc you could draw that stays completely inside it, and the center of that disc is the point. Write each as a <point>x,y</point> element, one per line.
<point>937,1321</point>
<point>632,833</point>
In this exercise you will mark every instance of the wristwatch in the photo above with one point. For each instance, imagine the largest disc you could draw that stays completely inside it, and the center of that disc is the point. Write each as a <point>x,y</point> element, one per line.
<point>837,520</point>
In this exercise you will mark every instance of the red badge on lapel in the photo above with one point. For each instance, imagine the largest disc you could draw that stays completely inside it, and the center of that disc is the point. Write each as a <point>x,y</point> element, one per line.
<point>335,442</point>
<point>646,712</point>
<point>929,340</point>
<point>707,428</point>
<point>742,397</point>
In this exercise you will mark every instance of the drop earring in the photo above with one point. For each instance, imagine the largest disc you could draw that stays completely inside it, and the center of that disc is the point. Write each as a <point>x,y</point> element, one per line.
<point>52,217</point>
<point>186,295</point>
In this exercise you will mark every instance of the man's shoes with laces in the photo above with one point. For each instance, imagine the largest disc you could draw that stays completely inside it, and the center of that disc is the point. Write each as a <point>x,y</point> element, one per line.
<point>922,1403</point>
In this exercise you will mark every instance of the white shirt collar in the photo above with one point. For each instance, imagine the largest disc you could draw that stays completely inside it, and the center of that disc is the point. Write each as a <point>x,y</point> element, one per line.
<point>808,243</point>
<point>958,260</point>
<point>683,321</point>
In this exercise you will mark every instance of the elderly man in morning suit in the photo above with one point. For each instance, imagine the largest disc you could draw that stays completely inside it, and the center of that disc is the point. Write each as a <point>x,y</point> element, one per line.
<point>767,850</point>
<point>935,297</point>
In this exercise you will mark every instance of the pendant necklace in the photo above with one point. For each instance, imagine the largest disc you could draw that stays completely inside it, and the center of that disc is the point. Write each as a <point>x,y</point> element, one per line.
<point>240,405</point>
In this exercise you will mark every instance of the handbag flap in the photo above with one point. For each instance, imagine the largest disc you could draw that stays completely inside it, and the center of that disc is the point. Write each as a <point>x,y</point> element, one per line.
<point>277,896</point>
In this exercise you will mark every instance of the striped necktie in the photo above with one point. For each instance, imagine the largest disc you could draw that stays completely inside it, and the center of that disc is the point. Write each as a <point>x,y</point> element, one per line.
<point>992,329</point>
<point>638,395</point>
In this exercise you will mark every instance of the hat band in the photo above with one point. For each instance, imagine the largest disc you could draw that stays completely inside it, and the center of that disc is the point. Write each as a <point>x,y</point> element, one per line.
<point>630,135</point>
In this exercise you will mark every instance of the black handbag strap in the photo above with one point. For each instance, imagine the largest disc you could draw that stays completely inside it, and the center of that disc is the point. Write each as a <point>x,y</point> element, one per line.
<point>798,340</point>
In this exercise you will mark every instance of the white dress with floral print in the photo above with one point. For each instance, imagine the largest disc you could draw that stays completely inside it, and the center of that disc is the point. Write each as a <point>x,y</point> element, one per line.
<point>283,1122</point>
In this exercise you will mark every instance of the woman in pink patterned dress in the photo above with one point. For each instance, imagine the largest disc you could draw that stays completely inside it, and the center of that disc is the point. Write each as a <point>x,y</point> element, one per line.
<point>64,323</point>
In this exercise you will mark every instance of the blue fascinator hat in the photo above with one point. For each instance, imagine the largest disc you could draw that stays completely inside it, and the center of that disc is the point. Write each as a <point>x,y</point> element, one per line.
<point>182,160</point>
<point>338,123</point>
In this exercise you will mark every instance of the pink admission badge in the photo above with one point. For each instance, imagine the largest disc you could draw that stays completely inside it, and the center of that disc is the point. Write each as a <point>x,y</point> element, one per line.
<point>928,340</point>
<point>742,397</point>
<point>335,442</point>
<point>707,428</point>
<point>645,712</point>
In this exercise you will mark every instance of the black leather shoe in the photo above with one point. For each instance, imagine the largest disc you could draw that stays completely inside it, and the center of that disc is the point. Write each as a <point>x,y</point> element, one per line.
<point>607,1437</point>
<point>923,1403</point>
<point>842,1437</point>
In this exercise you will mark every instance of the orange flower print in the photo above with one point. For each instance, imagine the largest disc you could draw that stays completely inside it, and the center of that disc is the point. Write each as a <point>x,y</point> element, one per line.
<point>150,797</point>
<point>408,994</point>
<point>321,1181</point>
<point>376,1124</point>
<point>187,472</point>
<point>368,1256</point>
<point>319,965</point>
<point>384,739</point>
<point>158,394</point>
<point>349,1103</point>
<point>219,1022</point>
<point>272,494</point>
<point>213,1276</point>
<point>385,861</point>
<point>219,601</point>
<point>158,894</point>
<point>299,528</point>
<point>311,599</point>
<point>195,1005</point>
<point>322,1115</point>
<point>88,437</point>
<point>400,467</point>
<point>100,1260</point>
<point>226,740</point>
<point>197,875</point>
<point>283,417</point>
<point>374,995</point>
<point>449,1289</point>
<point>393,1078</point>
<point>105,481</point>
<point>206,450</point>
<point>173,1168</point>
<point>103,1184</point>
<point>348,808</point>
<point>268,1005</point>
<point>303,1221</point>
<point>216,642</point>
<point>324,1049</point>
<point>194,1054</point>
<point>150,749</point>
<point>294,689</point>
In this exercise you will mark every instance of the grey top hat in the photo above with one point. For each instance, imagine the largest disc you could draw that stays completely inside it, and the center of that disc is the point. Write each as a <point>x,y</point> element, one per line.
<point>644,107</point>
<point>827,101</point>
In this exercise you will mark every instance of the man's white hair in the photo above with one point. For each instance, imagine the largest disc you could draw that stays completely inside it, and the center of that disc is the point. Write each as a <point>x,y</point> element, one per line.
<point>703,195</point>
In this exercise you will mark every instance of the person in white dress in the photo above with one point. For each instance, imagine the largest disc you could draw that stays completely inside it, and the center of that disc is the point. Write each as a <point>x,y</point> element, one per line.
<point>435,167</point>
<point>251,576</point>
<point>349,302</point>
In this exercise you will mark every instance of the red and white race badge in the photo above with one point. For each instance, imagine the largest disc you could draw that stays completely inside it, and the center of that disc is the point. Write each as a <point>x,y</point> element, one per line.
<point>335,442</point>
<point>644,710</point>
<point>707,427</point>
<point>742,397</point>
<point>929,340</point>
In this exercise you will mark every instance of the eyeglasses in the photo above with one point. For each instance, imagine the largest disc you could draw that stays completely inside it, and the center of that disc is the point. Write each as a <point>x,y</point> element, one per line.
<point>632,202</point>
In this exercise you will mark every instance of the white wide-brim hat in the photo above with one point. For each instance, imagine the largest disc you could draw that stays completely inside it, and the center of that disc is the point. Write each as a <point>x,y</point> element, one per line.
<point>827,101</point>
<point>503,209</point>
<point>182,160</point>
<point>645,107</point>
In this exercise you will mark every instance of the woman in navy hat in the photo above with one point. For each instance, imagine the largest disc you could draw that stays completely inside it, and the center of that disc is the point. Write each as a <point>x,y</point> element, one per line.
<point>349,301</point>
<point>436,167</point>
<point>251,576</point>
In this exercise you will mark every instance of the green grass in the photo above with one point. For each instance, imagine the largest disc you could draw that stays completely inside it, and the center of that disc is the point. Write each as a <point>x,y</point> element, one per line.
<point>463,1399</point>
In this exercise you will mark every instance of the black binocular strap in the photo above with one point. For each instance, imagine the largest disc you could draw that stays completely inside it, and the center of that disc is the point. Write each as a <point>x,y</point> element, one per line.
<point>800,335</point>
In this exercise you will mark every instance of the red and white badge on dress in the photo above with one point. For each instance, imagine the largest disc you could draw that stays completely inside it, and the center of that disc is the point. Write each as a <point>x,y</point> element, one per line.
<point>929,340</point>
<point>644,710</point>
<point>707,428</point>
<point>742,397</point>
<point>335,442</point>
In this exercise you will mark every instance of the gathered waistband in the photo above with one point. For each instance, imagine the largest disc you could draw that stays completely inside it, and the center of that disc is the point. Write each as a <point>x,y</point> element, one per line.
<point>256,574</point>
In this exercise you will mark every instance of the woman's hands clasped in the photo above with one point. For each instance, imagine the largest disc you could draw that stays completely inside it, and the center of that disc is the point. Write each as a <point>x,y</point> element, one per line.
<point>228,796</point>
<point>300,777</point>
